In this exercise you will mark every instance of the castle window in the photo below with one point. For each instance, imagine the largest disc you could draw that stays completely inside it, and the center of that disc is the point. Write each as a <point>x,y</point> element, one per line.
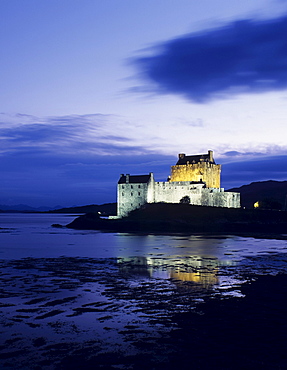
<point>139,204</point>
<point>132,194</point>
<point>131,187</point>
<point>123,186</point>
<point>139,193</point>
<point>139,186</point>
<point>123,194</point>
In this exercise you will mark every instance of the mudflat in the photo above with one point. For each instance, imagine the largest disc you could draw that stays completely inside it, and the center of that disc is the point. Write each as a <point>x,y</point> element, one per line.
<point>71,313</point>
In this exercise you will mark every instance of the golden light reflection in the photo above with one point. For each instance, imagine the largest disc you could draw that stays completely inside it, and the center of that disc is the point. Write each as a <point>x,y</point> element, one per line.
<point>206,279</point>
<point>201,272</point>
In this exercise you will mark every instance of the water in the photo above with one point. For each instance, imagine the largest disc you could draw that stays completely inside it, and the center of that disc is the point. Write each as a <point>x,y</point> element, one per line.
<point>107,292</point>
<point>184,257</point>
<point>206,261</point>
<point>32,235</point>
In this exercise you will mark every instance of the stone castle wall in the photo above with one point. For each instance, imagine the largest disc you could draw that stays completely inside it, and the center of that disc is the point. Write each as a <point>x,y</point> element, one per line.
<point>207,172</point>
<point>133,196</point>
<point>173,192</point>
<point>130,197</point>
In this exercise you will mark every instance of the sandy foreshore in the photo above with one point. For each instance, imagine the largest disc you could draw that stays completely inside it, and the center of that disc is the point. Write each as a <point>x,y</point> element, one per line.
<point>71,313</point>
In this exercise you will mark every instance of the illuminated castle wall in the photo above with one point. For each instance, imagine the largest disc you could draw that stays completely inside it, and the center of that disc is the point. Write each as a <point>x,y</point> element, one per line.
<point>197,168</point>
<point>196,177</point>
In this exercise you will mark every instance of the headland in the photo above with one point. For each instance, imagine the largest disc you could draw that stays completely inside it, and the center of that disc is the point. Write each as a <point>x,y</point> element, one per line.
<point>173,218</point>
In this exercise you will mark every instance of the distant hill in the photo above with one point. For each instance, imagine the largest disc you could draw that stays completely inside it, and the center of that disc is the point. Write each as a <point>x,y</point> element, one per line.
<point>22,208</point>
<point>106,209</point>
<point>270,194</point>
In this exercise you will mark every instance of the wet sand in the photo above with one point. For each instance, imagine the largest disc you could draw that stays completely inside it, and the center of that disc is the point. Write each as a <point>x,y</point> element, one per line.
<point>71,313</point>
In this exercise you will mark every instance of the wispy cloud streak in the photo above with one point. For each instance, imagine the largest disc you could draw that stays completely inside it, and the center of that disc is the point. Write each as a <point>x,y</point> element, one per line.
<point>92,134</point>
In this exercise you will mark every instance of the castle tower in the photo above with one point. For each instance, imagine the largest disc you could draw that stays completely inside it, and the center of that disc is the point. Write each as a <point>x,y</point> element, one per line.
<point>197,168</point>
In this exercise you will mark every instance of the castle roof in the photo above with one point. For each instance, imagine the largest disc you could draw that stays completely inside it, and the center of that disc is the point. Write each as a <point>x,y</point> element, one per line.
<point>189,159</point>
<point>134,179</point>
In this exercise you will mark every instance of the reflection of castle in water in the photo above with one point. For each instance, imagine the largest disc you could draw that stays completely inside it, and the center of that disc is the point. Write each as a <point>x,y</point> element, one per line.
<point>206,280</point>
<point>192,271</point>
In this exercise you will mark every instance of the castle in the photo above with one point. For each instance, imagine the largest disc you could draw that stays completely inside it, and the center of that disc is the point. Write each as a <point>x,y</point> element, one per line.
<point>195,179</point>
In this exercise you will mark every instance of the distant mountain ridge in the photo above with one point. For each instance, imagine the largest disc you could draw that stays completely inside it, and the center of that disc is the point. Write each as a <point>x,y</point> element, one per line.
<point>269,194</point>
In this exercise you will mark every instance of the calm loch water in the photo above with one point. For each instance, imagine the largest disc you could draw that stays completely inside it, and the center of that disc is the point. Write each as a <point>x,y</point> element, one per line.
<point>196,258</point>
<point>71,293</point>
<point>31,235</point>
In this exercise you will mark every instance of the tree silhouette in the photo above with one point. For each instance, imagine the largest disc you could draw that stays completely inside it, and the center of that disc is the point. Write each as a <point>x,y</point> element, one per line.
<point>185,200</point>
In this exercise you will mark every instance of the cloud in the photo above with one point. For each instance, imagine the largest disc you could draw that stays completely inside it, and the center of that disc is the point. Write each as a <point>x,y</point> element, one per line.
<point>236,154</point>
<point>245,56</point>
<point>91,133</point>
<point>70,160</point>
<point>38,178</point>
<point>197,122</point>
<point>76,160</point>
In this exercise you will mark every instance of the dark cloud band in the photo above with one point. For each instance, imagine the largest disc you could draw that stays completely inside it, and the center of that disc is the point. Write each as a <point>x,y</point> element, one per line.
<point>242,56</point>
